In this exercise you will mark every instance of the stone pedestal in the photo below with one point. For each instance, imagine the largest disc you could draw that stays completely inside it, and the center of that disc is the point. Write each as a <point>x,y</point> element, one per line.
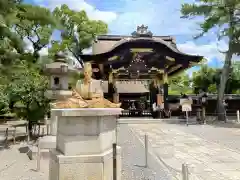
<point>84,144</point>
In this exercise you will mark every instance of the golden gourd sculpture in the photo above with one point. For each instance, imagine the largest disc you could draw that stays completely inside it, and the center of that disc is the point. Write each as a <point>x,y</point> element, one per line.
<point>87,94</point>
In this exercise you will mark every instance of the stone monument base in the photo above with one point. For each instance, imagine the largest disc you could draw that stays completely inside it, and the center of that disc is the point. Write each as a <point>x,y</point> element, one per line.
<point>84,151</point>
<point>84,167</point>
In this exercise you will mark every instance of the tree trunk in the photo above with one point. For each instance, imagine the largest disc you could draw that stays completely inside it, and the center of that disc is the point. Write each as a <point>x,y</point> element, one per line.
<point>222,86</point>
<point>226,68</point>
<point>30,128</point>
<point>30,124</point>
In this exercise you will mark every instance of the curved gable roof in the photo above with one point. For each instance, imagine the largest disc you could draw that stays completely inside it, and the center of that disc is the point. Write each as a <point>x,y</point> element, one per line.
<point>128,43</point>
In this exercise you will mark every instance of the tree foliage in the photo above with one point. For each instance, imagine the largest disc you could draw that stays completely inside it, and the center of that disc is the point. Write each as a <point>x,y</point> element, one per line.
<point>36,24</point>
<point>203,79</point>
<point>22,84</point>
<point>180,84</point>
<point>208,79</point>
<point>26,91</point>
<point>77,31</point>
<point>9,40</point>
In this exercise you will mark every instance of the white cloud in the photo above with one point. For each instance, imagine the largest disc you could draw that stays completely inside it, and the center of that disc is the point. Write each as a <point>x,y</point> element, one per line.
<point>87,51</point>
<point>209,51</point>
<point>162,17</point>
<point>29,48</point>
<point>92,12</point>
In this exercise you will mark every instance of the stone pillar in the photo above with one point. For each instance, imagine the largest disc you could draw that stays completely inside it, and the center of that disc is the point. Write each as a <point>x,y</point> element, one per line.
<point>84,144</point>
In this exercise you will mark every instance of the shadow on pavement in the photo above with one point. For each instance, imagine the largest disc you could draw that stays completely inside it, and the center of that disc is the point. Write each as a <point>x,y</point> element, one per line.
<point>23,149</point>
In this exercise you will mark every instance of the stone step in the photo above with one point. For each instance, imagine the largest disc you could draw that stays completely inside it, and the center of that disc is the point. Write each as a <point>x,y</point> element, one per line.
<point>45,143</point>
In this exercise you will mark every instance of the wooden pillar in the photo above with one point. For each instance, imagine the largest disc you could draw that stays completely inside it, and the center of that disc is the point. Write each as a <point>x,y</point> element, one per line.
<point>159,93</point>
<point>159,97</point>
<point>165,91</point>
<point>101,69</point>
<point>154,97</point>
<point>110,86</point>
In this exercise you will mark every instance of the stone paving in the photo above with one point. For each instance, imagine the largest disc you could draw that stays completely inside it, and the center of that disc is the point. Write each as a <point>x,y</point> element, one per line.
<point>16,166</point>
<point>206,159</point>
<point>134,159</point>
<point>226,134</point>
<point>213,152</point>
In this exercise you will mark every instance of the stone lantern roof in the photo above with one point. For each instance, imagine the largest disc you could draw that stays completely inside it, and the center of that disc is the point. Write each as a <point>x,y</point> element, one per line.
<point>60,57</point>
<point>59,66</point>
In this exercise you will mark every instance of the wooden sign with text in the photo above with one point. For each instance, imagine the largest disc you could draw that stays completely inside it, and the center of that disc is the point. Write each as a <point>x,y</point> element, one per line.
<point>186,104</point>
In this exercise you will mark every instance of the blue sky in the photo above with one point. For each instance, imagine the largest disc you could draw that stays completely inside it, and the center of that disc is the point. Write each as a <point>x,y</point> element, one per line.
<point>161,16</point>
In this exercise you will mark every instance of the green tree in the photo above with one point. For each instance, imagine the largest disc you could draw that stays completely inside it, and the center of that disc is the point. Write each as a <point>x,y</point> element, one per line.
<point>10,42</point>
<point>208,79</point>
<point>234,80</point>
<point>22,85</point>
<point>36,24</point>
<point>77,32</point>
<point>203,79</point>
<point>224,15</point>
<point>180,84</point>
<point>26,91</point>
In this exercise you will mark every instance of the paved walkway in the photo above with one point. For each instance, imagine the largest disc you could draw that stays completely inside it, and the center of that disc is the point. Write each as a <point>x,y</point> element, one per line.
<point>225,134</point>
<point>206,159</point>
<point>134,160</point>
<point>15,165</point>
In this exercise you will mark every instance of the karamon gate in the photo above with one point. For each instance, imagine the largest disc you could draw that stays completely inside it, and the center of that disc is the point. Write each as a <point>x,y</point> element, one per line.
<point>140,56</point>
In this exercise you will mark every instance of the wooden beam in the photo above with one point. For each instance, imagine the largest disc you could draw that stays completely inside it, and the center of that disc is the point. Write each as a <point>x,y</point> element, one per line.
<point>173,68</point>
<point>141,50</point>
<point>112,58</point>
<point>170,58</point>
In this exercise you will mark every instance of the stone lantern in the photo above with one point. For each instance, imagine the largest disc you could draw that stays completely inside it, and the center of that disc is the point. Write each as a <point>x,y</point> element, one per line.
<point>58,72</point>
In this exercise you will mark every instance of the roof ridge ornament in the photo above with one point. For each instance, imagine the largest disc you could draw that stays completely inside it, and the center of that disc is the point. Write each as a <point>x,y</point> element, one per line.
<point>142,31</point>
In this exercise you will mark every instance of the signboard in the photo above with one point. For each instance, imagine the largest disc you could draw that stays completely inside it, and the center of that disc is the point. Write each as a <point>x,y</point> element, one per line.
<point>186,107</point>
<point>186,104</point>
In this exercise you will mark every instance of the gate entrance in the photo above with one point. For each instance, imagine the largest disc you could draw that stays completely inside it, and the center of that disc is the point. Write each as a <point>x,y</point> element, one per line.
<point>139,57</point>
